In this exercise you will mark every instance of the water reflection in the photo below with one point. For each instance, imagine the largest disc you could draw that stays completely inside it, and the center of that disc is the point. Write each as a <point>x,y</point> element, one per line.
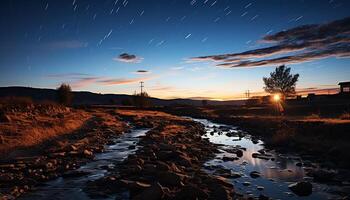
<point>277,171</point>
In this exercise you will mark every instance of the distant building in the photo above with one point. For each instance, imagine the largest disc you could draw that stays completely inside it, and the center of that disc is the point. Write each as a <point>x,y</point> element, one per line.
<point>344,87</point>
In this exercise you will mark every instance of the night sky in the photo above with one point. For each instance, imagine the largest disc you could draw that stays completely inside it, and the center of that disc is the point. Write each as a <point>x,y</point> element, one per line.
<point>214,49</point>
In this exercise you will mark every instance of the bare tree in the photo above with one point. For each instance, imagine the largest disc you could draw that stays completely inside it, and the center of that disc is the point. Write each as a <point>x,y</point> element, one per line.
<point>64,94</point>
<point>281,81</point>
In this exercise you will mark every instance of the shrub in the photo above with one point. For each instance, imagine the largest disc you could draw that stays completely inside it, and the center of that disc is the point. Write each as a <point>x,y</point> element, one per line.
<point>64,94</point>
<point>345,116</point>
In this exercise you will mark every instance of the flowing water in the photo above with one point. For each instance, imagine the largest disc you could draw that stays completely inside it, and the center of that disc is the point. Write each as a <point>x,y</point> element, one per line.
<point>277,172</point>
<point>72,188</point>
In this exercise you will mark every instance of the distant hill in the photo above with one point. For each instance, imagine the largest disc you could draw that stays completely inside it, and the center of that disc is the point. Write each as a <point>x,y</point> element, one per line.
<point>89,98</point>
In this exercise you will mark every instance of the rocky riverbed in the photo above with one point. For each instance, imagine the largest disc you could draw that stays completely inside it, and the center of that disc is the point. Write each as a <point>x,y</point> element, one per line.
<point>138,154</point>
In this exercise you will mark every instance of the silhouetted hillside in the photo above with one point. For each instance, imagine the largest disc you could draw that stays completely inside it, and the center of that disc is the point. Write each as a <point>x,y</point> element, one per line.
<point>89,98</point>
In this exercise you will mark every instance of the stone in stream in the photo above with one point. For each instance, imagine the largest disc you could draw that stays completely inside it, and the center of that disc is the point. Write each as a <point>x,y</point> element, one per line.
<point>246,183</point>
<point>260,156</point>
<point>260,188</point>
<point>301,188</point>
<point>226,159</point>
<point>254,174</point>
<point>239,153</point>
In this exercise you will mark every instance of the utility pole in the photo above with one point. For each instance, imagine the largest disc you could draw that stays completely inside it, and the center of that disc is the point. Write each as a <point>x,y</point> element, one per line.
<point>247,94</point>
<point>141,87</point>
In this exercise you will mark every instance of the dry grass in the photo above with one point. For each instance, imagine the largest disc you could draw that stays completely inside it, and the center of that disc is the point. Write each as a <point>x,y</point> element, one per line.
<point>20,102</point>
<point>138,114</point>
<point>41,122</point>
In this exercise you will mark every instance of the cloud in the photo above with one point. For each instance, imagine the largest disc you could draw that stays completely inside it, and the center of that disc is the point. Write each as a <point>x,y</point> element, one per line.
<point>129,58</point>
<point>80,80</point>
<point>67,75</point>
<point>69,44</point>
<point>301,44</point>
<point>177,68</point>
<point>83,82</point>
<point>163,88</point>
<point>123,81</point>
<point>142,72</point>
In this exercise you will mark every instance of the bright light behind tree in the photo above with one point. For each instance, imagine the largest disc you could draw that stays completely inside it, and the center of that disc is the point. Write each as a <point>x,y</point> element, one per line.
<point>276,97</point>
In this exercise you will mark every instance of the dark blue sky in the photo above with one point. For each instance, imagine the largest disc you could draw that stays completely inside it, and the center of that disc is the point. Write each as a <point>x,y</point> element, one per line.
<point>46,42</point>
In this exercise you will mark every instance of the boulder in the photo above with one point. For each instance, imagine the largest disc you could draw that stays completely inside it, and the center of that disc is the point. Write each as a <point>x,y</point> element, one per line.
<point>301,188</point>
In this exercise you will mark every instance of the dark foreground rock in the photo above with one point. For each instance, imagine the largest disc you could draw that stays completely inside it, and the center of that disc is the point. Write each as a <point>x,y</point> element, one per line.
<point>301,188</point>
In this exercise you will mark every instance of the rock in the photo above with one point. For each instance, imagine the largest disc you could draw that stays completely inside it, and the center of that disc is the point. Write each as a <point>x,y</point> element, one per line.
<point>321,175</point>
<point>254,174</point>
<point>239,153</point>
<point>73,148</point>
<point>191,192</point>
<point>2,139</point>
<point>246,183</point>
<point>223,172</point>
<point>4,118</point>
<point>235,175</point>
<point>88,153</point>
<point>255,155</point>
<point>262,151</point>
<point>301,188</point>
<point>155,192</point>
<point>263,197</point>
<point>170,179</point>
<point>226,159</point>
<point>260,188</point>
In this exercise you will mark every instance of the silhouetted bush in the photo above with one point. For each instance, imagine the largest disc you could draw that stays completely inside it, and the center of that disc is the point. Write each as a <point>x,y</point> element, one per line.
<point>64,94</point>
<point>141,100</point>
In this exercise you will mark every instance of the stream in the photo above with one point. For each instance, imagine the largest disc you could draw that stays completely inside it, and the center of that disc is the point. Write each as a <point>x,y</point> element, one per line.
<point>71,187</point>
<point>277,171</point>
